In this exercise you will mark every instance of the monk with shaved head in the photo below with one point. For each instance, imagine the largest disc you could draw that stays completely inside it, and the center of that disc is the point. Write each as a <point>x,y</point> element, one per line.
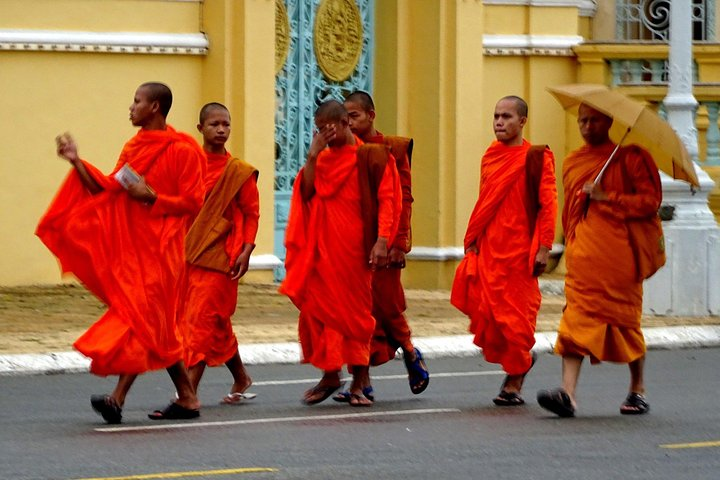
<point>392,330</point>
<point>343,215</point>
<point>507,244</point>
<point>122,236</point>
<point>604,298</point>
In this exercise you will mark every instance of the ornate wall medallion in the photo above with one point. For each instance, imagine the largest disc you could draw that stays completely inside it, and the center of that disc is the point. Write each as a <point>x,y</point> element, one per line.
<point>282,35</point>
<point>338,38</point>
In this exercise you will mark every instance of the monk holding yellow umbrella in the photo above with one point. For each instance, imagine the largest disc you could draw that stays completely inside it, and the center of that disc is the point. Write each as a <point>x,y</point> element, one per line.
<point>613,235</point>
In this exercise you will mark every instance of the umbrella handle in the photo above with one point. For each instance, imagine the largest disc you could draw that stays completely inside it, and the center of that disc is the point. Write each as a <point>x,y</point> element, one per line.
<point>599,176</point>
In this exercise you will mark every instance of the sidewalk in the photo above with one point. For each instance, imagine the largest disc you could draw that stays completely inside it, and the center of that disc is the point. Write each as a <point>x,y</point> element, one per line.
<point>266,327</point>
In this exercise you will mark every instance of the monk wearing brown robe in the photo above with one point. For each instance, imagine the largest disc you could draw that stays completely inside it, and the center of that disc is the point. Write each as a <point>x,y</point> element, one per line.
<point>604,298</point>
<point>218,248</point>
<point>122,236</point>
<point>507,245</point>
<point>343,215</point>
<point>392,330</point>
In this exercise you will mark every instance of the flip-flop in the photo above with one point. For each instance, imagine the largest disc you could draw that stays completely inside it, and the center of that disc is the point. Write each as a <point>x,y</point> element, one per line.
<point>533,355</point>
<point>175,411</point>
<point>508,399</point>
<point>236,398</point>
<point>344,397</point>
<point>326,391</point>
<point>418,374</point>
<point>107,407</point>
<point>557,401</point>
<point>634,404</point>
<point>356,400</point>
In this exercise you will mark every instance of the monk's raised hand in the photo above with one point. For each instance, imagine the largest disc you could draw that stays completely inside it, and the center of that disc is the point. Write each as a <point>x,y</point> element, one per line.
<point>66,147</point>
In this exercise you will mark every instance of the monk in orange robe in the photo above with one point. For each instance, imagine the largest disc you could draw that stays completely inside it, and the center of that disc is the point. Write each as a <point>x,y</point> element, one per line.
<point>218,248</point>
<point>122,236</point>
<point>343,215</point>
<point>604,296</point>
<point>392,330</point>
<point>507,245</point>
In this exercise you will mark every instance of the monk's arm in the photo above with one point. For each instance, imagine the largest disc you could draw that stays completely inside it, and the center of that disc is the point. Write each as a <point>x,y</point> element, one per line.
<point>190,193</point>
<point>67,149</point>
<point>387,215</point>
<point>249,212</point>
<point>547,216</point>
<point>645,199</point>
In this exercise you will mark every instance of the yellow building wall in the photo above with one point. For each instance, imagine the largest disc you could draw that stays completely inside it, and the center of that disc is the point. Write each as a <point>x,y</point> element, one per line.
<point>45,93</point>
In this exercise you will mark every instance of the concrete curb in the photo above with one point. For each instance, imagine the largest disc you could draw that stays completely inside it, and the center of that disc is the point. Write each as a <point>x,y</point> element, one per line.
<point>659,338</point>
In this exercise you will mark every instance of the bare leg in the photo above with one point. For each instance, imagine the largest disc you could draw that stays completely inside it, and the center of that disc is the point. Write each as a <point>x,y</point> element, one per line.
<point>195,373</point>
<point>183,387</point>
<point>122,388</point>
<point>242,380</point>
<point>637,377</point>
<point>570,375</point>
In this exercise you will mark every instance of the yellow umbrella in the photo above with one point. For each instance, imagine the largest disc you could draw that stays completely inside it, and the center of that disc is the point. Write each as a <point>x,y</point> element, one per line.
<point>633,122</point>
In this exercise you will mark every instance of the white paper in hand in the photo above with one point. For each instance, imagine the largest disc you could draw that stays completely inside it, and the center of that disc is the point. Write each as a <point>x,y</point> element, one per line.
<point>126,176</point>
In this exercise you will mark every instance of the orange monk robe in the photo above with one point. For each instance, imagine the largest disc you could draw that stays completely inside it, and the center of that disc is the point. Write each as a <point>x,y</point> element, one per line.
<point>602,289</point>
<point>328,277</point>
<point>502,295</point>
<point>392,330</point>
<point>210,296</point>
<point>129,253</point>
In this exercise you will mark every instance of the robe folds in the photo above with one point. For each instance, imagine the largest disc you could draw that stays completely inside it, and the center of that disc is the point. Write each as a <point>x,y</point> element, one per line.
<point>328,276</point>
<point>128,253</point>
<point>602,289</point>
<point>496,287</point>
<point>392,330</point>
<point>209,295</point>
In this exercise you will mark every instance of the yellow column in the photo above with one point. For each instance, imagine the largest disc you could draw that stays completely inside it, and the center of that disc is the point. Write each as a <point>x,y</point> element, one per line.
<point>240,73</point>
<point>428,62</point>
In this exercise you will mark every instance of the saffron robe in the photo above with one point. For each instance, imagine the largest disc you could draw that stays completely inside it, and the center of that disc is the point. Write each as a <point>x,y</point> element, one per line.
<point>210,295</point>
<point>602,289</point>
<point>328,276</point>
<point>499,292</point>
<point>392,330</point>
<point>128,253</point>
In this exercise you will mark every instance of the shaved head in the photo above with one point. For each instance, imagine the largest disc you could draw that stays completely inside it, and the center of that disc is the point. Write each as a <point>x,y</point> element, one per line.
<point>209,107</point>
<point>331,111</point>
<point>520,104</point>
<point>361,98</point>
<point>159,92</point>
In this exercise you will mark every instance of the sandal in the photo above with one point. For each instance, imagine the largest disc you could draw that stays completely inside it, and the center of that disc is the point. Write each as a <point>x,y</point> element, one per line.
<point>634,404</point>
<point>418,375</point>
<point>356,400</point>
<point>557,401</point>
<point>508,399</point>
<point>344,397</point>
<point>175,411</point>
<point>236,398</point>
<point>107,407</point>
<point>324,390</point>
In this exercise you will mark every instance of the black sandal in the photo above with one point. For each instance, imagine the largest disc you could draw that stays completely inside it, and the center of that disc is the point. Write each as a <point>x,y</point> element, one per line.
<point>557,401</point>
<point>508,399</point>
<point>634,404</point>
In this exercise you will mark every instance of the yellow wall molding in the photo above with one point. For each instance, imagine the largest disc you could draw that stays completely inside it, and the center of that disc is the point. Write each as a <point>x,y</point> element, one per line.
<point>104,42</point>
<point>526,45</point>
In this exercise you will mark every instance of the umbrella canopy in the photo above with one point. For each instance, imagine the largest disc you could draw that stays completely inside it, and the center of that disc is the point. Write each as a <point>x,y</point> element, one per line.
<point>646,128</point>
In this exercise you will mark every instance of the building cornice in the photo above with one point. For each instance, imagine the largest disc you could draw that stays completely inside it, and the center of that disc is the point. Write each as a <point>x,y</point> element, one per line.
<point>559,45</point>
<point>586,8</point>
<point>104,42</point>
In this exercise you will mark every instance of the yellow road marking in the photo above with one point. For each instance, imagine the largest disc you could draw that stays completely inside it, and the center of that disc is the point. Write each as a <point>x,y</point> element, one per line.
<point>692,445</point>
<point>199,473</point>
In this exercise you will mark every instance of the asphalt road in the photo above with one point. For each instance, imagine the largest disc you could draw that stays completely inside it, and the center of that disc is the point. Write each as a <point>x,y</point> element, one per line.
<point>48,431</point>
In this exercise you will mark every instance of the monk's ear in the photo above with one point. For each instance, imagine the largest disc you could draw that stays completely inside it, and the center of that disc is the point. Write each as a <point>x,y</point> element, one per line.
<point>371,114</point>
<point>199,127</point>
<point>155,106</point>
<point>523,121</point>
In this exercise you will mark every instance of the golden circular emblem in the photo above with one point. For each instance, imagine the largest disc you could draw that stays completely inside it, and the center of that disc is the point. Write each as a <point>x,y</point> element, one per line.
<point>338,38</point>
<point>282,35</point>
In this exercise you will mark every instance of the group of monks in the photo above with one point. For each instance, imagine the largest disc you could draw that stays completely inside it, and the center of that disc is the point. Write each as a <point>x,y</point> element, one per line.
<point>510,235</point>
<point>165,237</point>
